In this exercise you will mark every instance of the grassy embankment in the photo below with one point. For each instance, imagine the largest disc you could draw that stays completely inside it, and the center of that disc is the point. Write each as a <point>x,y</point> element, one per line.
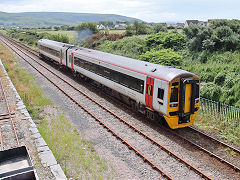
<point>218,72</point>
<point>76,156</point>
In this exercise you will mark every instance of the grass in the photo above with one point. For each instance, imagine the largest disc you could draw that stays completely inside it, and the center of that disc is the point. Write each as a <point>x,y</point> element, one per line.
<point>76,156</point>
<point>71,34</point>
<point>29,91</point>
<point>117,31</point>
<point>210,122</point>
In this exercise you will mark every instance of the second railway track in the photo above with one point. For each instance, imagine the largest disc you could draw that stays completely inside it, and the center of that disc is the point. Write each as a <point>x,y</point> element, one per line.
<point>212,154</point>
<point>131,133</point>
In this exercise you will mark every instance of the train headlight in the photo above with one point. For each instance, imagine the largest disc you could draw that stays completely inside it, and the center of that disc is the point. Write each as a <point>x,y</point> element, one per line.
<point>173,105</point>
<point>197,101</point>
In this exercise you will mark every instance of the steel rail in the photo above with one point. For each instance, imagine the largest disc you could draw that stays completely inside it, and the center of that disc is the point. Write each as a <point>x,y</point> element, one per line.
<point>23,46</point>
<point>9,113</point>
<point>128,124</point>
<point>214,139</point>
<point>97,119</point>
<point>205,150</point>
<point>1,141</point>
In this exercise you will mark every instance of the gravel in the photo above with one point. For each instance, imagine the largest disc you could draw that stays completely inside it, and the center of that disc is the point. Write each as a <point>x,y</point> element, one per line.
<point>123,160</point>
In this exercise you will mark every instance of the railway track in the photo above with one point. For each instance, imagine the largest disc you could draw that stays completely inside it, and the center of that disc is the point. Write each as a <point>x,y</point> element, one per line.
<point>104,124</point>
<point>212,146</point>
<point>6,121</point>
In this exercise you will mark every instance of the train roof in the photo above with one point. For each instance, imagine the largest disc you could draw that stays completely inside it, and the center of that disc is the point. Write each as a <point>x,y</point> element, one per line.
<point>166,73</point>
<point>54,43</point>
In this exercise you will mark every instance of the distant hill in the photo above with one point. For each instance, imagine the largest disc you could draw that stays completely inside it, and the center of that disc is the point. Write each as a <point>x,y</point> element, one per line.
<point>43,19</point>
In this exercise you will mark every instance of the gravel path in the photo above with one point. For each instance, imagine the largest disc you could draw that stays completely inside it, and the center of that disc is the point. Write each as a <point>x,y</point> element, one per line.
<point>127,164</point>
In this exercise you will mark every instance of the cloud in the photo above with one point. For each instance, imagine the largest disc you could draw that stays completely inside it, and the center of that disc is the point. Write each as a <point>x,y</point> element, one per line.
<point>151,10</point>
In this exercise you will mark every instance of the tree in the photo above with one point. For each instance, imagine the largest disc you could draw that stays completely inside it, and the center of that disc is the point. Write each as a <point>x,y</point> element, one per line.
<point>160,40</point>
<point>92,26</point>
<point>136,29</point>
<point>164,57</point>
<point>233,24</point>
<point>64,27</point>
<point>56,28</point>
<point>106,23</point>
<point>139,28</point>
<point>59,37</point>
<point>159,28</point>
<point>199,37</point>
<point>225,38</point>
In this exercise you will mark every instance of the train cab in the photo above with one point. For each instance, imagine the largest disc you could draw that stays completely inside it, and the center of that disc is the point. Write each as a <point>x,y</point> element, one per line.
<point>183,102</point>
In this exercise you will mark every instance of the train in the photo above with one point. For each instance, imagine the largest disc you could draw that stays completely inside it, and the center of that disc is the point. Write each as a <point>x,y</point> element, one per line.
<point>160,92</point>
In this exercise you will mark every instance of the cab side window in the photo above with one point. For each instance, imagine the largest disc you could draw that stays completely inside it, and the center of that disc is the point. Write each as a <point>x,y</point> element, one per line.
<point>160,93</point>
<point>174,95</point>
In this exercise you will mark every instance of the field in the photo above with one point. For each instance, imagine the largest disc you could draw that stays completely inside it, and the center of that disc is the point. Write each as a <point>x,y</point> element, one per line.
<point>117,31</point>
<point>73,35</point>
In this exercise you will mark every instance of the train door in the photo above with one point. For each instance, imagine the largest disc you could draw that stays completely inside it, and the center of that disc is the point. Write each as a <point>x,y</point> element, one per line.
<point>189,91</point>
<point>71,59</point>
<point>159,94</point>
<point>66,57</point>
<point>61,55</point>
<point>149,92</point>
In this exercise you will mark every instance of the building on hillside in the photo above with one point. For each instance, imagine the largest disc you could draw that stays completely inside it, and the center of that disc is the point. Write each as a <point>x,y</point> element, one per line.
<point>101,27</point>
<point>196,22</point>
<point>120,26</point>
<point>180,25</point>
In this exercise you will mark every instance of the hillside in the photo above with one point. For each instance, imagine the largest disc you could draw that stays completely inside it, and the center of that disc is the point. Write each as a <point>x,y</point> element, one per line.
<point>41,19</point>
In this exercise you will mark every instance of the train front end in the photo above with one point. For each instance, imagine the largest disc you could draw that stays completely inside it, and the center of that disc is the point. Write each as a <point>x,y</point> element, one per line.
<point>183,102</point>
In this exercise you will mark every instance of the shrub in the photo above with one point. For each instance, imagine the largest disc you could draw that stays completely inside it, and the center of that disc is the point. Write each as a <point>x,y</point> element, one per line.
<point>211,91</point>
<point>159,28</point>
<point>59,37</point>
<point>220,78</point>
<point>128,46</point>
<point>171,40</point>
<point>207,77</point>
<point>164,57</point>
<point>92,26</point>
<point>225,38</point>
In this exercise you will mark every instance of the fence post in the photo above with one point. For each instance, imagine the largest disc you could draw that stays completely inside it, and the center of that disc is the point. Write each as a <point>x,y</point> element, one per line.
<point>219,107</point>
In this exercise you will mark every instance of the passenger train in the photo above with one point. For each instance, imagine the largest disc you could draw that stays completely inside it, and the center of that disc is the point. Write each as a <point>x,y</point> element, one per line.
<point>160,92</point>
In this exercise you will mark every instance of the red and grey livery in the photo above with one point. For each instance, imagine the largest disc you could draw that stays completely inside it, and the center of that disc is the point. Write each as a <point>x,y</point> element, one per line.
<point>156,90</point>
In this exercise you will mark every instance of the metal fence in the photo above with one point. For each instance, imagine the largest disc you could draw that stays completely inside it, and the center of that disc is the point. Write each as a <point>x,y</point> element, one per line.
<point>223,112</point>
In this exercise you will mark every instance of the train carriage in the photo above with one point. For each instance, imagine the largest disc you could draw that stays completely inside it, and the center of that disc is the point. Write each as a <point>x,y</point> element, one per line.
<point>156,90</point>
<point>53,50</point>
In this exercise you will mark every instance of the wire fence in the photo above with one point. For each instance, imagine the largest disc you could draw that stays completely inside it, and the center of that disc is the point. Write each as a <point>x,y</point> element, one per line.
<point>223,112</point>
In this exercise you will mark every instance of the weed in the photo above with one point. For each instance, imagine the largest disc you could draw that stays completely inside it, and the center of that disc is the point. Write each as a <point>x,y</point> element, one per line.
<point>77,156</point>
<point>212,122</point>
<point>72,152</point>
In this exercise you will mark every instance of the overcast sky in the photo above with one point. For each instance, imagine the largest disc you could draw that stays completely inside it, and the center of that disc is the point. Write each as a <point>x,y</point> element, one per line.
<point>147,10</point>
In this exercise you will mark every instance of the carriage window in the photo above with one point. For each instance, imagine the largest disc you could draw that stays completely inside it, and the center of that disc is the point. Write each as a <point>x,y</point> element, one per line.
<point>174,95</point>
<point>120,78</point>
<point>160,93</point>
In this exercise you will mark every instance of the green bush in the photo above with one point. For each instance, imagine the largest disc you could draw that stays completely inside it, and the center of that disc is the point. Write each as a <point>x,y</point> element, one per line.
<point>207,77</point>
<point>92,26</point>
<point>59,37</point>
<point>159,28</point>
<point>211,91</point>
<point>164,57</point>
<point>171,40</point>
<point>220,78</point>
<point>128,46</point>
